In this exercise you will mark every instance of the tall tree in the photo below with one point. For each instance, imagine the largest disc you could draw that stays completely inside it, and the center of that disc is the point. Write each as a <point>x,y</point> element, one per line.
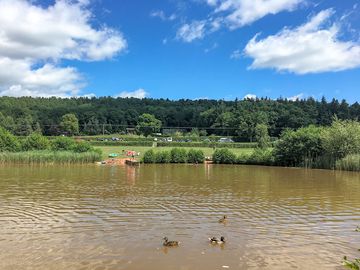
<point>69,124</point>
<point>148,124</point>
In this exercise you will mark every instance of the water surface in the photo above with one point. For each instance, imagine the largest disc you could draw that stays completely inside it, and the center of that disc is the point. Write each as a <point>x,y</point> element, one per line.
<point>93,217</point>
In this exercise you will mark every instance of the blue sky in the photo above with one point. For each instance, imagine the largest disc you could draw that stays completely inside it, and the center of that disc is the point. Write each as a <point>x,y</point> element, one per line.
<point>216,49</point>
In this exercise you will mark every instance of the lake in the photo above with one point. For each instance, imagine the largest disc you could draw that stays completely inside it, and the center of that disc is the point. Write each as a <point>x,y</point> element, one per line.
<point>94,217</point>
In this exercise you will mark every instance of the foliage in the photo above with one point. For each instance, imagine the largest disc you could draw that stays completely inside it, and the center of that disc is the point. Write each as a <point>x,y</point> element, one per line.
<point>62,144</point>
<point>342,138</point>
<point>8,142</point>
<point>61,157</point>
<point>296,147</point>
<point>239,117</point>
<point>262,136</point>
<point>35,142</point>
<point>349,163</point>
<point>82,147</point>
<point>195,156</point>
<point>178,155</point>
<point>149,156</point>
<point>69,124</point>
<point>354,265</point>
<point>148,124</point>
<point>163,157</point>
<point>224,156</point>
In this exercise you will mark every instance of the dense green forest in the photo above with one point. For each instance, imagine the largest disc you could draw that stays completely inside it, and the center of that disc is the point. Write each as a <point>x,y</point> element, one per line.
<point>109,115</point>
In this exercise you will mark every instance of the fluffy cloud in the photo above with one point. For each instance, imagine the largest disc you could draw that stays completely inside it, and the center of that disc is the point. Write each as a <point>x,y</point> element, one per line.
<point>297,97</point>
<point>310,48</point>
<point>192,31</point>
<point>140,93</point>
<point>233,14</point>
<point>250,96</point>
<point>34,40</point>
<point>243,12</point>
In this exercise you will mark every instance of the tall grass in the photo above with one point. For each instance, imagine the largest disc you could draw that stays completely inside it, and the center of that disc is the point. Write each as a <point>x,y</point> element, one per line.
<point>349,163</point>
<point>58,157</point>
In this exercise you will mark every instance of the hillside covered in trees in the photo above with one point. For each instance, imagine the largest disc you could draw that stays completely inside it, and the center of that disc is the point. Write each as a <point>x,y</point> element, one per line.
<point>109,115</point>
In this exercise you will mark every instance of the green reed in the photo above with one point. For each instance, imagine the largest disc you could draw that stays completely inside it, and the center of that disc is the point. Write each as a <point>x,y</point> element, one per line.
<point>349,163</point>
<point>58,157</point>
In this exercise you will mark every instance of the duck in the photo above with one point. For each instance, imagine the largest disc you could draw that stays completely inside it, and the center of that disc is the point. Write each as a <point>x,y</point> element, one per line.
<point>168,243</point>
<point>357,229</point>
<point>214,240</point>
<point>223,219</point>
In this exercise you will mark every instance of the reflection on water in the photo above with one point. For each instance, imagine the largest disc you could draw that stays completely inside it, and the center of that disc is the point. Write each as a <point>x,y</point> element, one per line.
<point>90,217</point>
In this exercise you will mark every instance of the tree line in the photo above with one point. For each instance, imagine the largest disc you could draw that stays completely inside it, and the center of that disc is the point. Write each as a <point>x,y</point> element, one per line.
<point>106,115</point>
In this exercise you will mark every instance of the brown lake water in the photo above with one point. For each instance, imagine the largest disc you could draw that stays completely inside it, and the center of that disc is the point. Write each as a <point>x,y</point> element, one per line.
<point>93,217</point>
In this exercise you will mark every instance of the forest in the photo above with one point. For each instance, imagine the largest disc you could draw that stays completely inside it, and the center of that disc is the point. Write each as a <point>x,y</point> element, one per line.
<point>107,115</point>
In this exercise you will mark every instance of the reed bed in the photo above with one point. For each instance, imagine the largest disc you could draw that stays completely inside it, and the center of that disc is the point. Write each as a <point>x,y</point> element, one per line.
<point>349,163</point>
<point>46,157</point>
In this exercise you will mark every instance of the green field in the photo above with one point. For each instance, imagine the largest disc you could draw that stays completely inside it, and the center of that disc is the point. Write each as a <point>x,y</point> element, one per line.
<point>207,151</point>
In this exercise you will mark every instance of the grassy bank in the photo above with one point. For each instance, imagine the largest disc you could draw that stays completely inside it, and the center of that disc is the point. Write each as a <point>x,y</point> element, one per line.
<point>140,149</point>
<point>48,157</point>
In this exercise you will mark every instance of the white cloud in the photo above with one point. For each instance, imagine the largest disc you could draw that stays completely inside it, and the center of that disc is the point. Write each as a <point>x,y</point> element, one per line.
<point>161,14</point>
<point>34,40</point>
<point>213,47</point>
<point>312,47</point>
<point>192,31</point>
<point>243,12</point>
<point>235,54</point>
<point>296,97</point>
<point>233,14</point>
<point>250,96</point>
<point>140,93</point>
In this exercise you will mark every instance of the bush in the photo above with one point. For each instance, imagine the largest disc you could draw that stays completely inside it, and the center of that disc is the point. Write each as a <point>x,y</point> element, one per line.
<point>261,157</point>
<point>35,142</point>
<point>178,155</point>
<point>82,147</point>
<point>8,142</point>
<point>63,144</point>
<point>224,156</point>
<point>342,139</point>
<point>195,156</point>
<point>149,156</point>
<point>296,147</point>
<point>163,157</point>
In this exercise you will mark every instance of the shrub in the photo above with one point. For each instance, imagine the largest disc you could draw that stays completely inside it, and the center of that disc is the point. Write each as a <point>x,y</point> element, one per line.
<point>261,157</point>
<point>296,147</point>
<point>8,142</point>
<point>149,156</point>
<point>195,156</point>
<point>178,155</point>
<point>82,147</point>
<point>224,156</point>
<point>163,157</point>
<point>63,144</point>
<point>35,142</point>
<point>342,139</point>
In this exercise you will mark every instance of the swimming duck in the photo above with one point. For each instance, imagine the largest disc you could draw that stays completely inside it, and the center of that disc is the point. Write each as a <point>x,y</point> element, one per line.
<point>223,219</point>
<point>214,240</point>
<point>168,243</point>
<point>357,229</point>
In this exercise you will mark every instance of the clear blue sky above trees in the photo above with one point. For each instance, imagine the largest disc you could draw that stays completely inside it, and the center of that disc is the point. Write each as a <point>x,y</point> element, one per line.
<point>219,49</point>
